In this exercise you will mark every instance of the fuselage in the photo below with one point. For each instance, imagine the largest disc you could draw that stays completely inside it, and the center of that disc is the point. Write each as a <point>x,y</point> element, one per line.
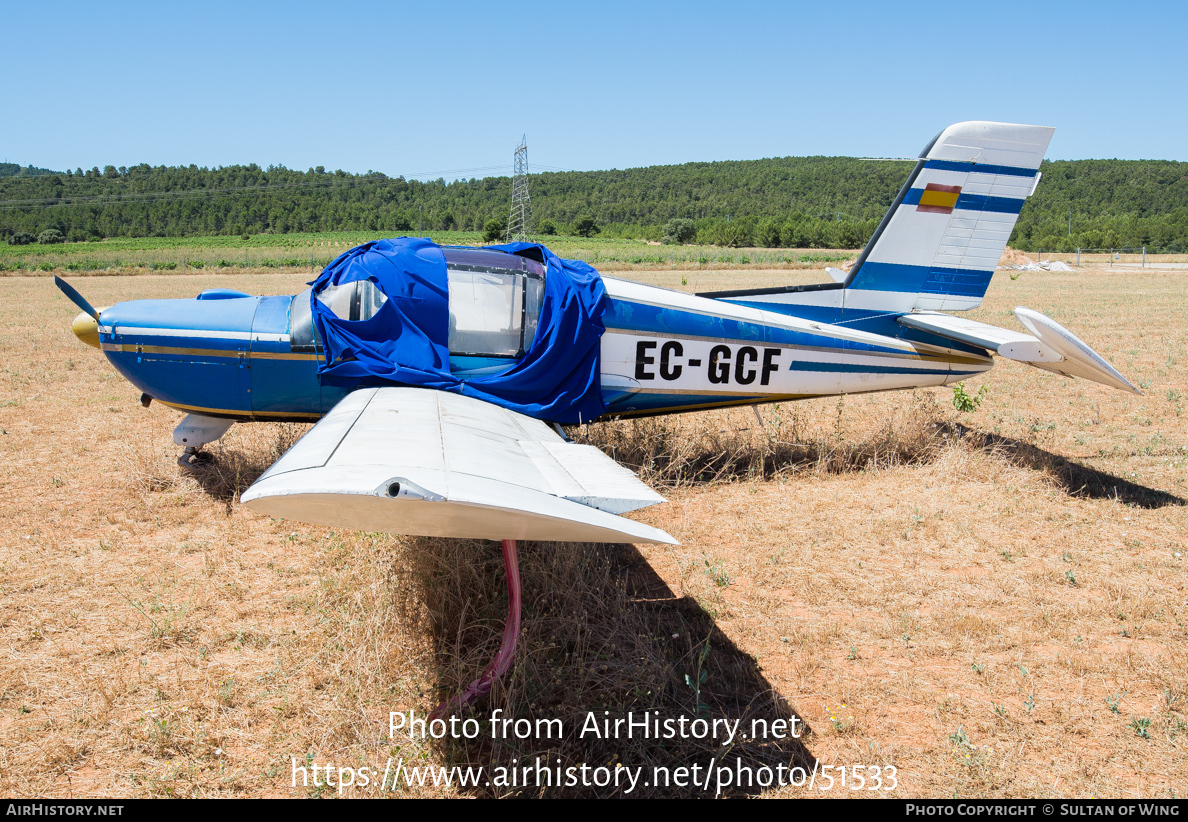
<point>225,354</point>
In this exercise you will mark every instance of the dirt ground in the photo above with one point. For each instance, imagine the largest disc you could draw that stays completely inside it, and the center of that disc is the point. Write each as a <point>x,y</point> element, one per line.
<point>993,602</point>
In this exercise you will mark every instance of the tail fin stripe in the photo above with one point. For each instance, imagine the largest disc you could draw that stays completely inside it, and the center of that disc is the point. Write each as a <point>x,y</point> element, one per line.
<point>922,279</point>
<point>973,202</point>
<point>980,168</point>
<point>982,202</point>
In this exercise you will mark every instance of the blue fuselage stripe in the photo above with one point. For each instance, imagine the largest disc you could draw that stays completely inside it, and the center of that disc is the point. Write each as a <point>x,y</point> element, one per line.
<point>657,320</point>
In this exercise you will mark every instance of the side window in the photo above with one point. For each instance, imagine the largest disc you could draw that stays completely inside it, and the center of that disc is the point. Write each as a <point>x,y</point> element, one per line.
<point>493,311</point>
<point>485,313</point>
<point>533,298</point>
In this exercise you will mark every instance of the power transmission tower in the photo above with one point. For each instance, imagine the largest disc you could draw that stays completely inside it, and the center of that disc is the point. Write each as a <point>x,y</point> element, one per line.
<point>519,223</point>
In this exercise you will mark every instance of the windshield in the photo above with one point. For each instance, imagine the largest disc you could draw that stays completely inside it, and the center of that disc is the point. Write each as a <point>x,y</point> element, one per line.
<point>352,301</point>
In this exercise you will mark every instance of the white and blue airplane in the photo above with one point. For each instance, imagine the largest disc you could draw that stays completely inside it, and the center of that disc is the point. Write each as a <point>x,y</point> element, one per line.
<point>437,457</point>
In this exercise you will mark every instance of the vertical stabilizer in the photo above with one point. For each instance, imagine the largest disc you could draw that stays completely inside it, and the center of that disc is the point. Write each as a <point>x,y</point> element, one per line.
<point>938,245</point>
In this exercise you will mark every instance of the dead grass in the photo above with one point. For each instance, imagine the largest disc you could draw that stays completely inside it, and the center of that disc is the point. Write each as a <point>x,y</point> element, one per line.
<point>781,440</point>
<point>993,602</point>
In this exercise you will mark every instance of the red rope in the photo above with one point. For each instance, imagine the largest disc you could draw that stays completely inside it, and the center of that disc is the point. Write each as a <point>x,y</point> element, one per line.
<point>507,648</point>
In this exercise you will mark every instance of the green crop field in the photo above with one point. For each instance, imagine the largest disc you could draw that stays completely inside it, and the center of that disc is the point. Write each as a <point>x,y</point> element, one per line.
<point>314,251</point>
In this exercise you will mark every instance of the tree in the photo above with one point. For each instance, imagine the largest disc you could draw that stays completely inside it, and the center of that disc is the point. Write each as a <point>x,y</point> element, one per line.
<point>20,238</point>
<point>769,233</point>
<point>494,229</point>
<point>548,228</point>
<point>679,231</point>
<point>50,236</point>
<point>586,227</point>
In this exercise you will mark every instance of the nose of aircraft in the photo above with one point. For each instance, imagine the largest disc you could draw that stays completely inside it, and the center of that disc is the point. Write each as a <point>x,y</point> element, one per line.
<point>86,328</point>
<point>86,324</point>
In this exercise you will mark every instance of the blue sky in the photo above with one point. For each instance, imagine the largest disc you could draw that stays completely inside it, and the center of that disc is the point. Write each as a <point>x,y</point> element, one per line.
<point>446,89</point>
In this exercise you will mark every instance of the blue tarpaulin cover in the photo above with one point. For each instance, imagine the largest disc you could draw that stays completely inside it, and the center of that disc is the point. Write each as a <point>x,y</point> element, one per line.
<point>406,341</point>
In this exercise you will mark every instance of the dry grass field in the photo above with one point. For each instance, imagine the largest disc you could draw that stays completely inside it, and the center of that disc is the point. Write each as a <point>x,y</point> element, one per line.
<point>994,602</point>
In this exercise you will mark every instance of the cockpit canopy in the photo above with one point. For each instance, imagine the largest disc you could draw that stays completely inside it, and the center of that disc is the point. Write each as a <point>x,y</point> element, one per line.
<point>494,297</point>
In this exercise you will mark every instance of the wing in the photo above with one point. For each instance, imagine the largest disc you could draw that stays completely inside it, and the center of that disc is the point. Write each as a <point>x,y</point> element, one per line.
<point>1052,348</point>
<point>431,463</point>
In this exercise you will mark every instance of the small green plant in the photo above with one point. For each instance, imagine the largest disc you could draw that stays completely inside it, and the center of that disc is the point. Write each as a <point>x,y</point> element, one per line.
<point>161,732</point>
<point>960,738</point>
<point>1141,726</point>
<point>1070,577</point>
<point>698,679</point>
<point>1113,700</point>
<point>978,668</point>
<point>1001,710</point>
<point>840,724</point>
<point>684,280</point>
<point>853,653</point>
<point>717,572</point>
<point>965,401</point>
<point>1029,703</point>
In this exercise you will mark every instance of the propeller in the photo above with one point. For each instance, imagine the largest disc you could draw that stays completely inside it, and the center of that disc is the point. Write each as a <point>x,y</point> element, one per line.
<point>76,298</point>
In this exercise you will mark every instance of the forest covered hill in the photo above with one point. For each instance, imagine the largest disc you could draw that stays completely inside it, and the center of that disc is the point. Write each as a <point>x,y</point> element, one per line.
<point>804,202</point>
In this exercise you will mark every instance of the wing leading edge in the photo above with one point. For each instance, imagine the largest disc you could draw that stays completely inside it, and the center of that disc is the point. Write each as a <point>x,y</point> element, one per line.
<point>431,463</point>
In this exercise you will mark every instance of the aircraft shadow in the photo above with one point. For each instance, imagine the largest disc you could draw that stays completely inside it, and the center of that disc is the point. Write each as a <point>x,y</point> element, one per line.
<point>603,637</point>
<point>217,482</point>
<point>1076,479</point>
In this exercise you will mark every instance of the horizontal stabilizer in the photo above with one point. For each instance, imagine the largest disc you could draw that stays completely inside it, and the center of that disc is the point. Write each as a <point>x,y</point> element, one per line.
<point>1079,360</point>
<point>1014,345</point>
<point>430,463</point>
<point>1050,346</point>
